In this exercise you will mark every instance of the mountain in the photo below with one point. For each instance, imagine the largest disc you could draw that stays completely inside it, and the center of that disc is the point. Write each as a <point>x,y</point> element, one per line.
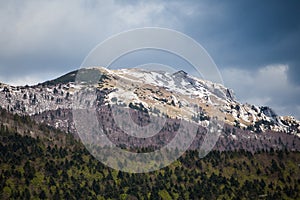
<point>256,155</point>
<point>170,92</point>
<point>159,94</point>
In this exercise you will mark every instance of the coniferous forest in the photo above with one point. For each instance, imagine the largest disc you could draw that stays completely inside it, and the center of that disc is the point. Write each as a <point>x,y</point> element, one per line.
<point>55,165</point>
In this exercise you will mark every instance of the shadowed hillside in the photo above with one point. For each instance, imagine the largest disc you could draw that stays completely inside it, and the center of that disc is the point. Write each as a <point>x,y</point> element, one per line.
<point>34,164</point>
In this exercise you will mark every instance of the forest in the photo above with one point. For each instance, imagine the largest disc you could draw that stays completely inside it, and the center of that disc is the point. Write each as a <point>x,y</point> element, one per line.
<point>55,165</point>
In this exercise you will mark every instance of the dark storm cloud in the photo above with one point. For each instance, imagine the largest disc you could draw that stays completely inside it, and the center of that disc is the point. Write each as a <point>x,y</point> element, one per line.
<point>251,34</point>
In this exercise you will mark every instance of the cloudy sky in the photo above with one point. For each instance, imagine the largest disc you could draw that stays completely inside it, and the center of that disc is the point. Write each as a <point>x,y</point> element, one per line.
<point>255,44</point>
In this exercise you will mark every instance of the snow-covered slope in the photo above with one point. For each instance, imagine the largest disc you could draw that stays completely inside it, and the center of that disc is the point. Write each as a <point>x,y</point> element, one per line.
<point>177,95</point>
<point>193,98</point>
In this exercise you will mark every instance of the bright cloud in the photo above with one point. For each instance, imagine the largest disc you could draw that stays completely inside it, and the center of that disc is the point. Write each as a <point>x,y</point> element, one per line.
<point>38,36</point>
<point>37,25</point>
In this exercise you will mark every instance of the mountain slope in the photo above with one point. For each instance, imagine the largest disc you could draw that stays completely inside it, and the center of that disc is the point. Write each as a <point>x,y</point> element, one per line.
<point>186,92</point>
<point>177,95</point>
<point>39,168</point>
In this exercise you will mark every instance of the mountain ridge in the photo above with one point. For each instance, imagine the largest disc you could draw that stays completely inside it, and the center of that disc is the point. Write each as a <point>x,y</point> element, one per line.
<point>173,93</point>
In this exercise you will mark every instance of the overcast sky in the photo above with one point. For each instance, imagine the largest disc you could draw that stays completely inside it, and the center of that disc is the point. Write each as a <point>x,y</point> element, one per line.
<point>255,44</point>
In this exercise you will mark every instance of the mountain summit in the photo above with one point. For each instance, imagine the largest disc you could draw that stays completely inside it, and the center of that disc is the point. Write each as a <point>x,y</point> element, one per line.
<point>178,95</point>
